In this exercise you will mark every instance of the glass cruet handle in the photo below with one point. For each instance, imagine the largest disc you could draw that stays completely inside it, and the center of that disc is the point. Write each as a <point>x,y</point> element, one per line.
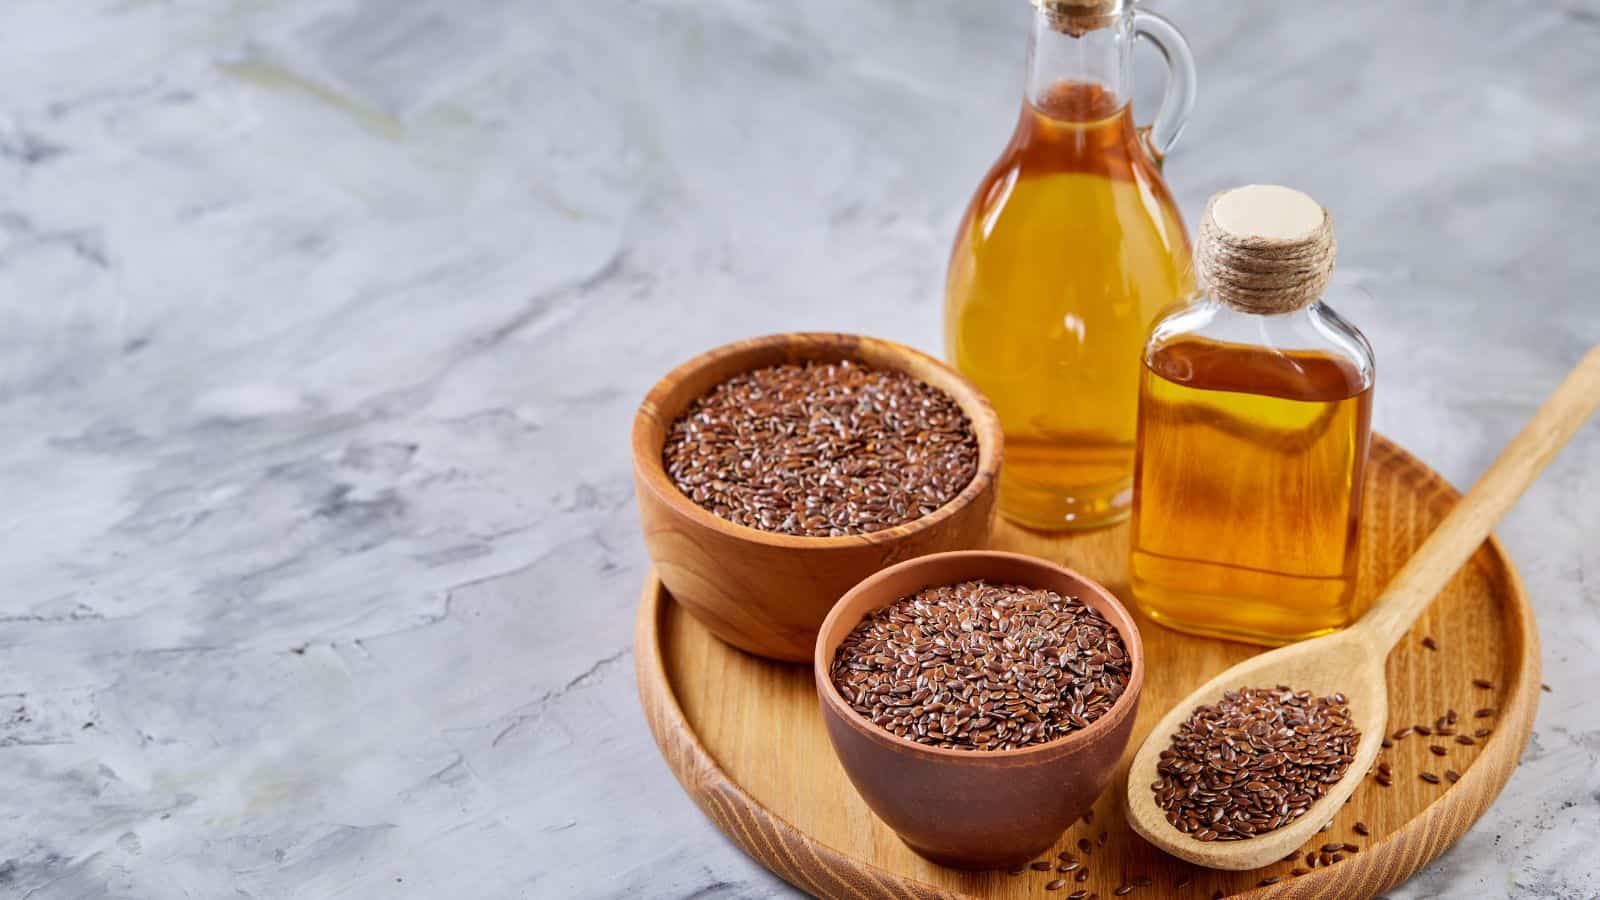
<point>1178,101</point>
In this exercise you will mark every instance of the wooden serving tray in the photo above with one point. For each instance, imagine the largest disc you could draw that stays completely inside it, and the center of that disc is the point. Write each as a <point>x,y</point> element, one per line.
<point>745,736</point>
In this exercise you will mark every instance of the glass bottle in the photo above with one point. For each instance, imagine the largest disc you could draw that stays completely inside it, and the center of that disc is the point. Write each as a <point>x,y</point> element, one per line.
<point>1070,248</point>
<point>1255,415</point>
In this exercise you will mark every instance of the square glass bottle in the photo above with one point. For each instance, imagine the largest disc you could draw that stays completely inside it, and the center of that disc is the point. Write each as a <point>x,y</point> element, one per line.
<point>1255,417</point>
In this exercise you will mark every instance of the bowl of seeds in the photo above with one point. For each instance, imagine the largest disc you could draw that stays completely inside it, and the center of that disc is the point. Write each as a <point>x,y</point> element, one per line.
<point>979,701</point>
<point>774,474</point>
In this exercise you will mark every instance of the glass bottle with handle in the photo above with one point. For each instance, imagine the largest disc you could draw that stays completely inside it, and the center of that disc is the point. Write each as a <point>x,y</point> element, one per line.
<point>1070,248</point>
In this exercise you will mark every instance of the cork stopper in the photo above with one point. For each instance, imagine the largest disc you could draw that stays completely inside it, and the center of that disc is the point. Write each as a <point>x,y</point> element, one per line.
<point>1265,249</point>
<point>1079,17</point>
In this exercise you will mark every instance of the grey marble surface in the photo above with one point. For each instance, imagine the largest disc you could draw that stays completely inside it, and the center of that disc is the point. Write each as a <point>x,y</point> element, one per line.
<point>322,323</point>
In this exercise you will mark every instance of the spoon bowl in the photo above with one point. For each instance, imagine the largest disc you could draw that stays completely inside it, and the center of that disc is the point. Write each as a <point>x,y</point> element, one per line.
<point>1351,662</point>
<point>1342,663</point>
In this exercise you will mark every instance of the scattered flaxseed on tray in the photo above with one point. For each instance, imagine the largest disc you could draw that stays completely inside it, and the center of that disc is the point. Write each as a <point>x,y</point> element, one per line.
<point>821,449</point>
<point>1253,762</point>
<point>977,666</point>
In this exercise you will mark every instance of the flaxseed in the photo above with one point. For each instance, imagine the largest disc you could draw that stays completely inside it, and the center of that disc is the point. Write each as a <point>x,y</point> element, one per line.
<point>1253,762</point>
<point>976,666</point>
<point>821,449</point>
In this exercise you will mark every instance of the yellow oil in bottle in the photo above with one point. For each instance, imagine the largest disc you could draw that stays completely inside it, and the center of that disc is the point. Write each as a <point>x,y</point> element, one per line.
<point>1248,490</point>
<point>1069,250</point>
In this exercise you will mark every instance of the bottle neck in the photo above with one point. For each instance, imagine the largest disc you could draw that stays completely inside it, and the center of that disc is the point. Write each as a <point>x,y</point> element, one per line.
<point>1082,61</point>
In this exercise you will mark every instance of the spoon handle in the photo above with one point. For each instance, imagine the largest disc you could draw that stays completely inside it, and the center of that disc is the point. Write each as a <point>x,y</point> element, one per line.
<point>1472,519</point>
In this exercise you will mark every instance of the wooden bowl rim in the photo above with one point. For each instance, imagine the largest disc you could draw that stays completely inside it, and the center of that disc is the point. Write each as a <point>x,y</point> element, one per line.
<point>1034,754</point>
<point>647,458</point>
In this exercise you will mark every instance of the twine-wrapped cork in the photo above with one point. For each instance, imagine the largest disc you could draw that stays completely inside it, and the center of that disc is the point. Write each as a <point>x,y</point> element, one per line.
<point>1265,249</point>
<point>1079,17</point>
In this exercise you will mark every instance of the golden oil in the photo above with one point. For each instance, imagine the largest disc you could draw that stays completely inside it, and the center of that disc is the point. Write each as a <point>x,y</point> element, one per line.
<point>1248,490</point>
<point>1071,247</point>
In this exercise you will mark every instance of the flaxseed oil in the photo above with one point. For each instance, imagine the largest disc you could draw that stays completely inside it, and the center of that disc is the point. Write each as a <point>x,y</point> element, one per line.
<point>1248,490</point>
<point>1071,247</point>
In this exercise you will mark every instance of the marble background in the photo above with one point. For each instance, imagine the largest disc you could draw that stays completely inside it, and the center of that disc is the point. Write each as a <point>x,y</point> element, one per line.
<point>322,323</point>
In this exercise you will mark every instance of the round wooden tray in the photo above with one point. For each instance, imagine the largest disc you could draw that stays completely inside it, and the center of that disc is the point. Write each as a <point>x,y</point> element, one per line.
<point>745,737</point>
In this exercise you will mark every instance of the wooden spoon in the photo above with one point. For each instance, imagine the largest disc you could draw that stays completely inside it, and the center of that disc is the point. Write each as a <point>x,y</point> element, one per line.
<point>1352,661</point>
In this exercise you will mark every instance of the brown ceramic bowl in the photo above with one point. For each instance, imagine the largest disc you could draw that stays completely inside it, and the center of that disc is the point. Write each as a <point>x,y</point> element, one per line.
<point>968,808</point>
<point>768,593</point>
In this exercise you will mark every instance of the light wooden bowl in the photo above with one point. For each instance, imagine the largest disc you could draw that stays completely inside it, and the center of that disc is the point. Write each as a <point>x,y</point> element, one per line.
<point>768,593</point>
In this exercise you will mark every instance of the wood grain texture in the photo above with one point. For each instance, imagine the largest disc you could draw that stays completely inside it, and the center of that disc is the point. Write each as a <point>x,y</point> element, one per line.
<point>767,592</point>
<point>745,737</point>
